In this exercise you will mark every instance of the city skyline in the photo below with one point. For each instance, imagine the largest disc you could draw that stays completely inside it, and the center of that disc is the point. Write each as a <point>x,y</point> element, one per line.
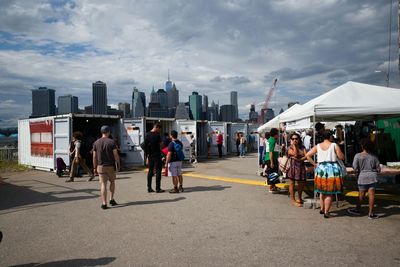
<point>212,48</point>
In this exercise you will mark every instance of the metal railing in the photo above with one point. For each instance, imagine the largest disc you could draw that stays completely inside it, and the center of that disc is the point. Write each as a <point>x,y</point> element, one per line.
<point>8,154</point>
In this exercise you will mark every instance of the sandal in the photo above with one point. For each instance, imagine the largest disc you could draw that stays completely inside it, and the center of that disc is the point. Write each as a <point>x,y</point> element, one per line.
<point>296,204</point>
<point>327,215</point>
<point>300,201</point>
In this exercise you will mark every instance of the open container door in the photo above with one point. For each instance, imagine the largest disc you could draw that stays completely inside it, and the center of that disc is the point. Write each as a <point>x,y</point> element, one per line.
<point>132,135</point>
<point>62,138</point>
<point>185,130</point>
<point>214,128</point>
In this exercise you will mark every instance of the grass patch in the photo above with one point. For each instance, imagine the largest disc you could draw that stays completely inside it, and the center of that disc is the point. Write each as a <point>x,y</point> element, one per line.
<point>12,166</point>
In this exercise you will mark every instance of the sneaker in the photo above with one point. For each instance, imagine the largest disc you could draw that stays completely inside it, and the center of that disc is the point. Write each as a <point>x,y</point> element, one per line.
<point>104,206</point>
<point>150,190</point>
<point>113,202</point>
<point>354,211</point>
<point>373,216</point>
<point>180,189</point>
<point>174,191</point>
<point>160,191</point>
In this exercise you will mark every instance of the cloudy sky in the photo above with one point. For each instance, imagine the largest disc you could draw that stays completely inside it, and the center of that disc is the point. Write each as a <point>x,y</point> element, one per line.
<point>212,47</point>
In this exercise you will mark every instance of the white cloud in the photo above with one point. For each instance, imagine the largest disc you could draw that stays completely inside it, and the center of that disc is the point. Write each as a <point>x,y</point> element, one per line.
<point>309,45</point>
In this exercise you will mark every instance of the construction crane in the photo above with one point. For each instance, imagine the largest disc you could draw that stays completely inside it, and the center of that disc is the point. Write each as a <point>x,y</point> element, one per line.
<point>268,97</point>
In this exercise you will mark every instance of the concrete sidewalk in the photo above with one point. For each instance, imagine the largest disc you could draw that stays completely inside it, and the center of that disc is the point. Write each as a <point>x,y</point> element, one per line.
<point>213,223</point>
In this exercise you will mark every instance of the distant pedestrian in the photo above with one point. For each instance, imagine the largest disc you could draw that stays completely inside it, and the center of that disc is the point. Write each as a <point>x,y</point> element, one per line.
<point>271,158</point>
<point>209,141</point>
<point>193,154</point>
<point>307,140</point>
<point>328,175</point>
<point>220,140</point>
<point>237,141</point>
<point>366,165</point>
<point>78,154</point>
<point>174,161</point>
<point>106,162</point>
<point>242,145</point>
<point>153,144</point>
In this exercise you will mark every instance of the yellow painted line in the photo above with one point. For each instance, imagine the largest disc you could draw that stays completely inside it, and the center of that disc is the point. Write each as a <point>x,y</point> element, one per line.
<point>280,186</point>
<point>232,180</point>
<point>377,196</point>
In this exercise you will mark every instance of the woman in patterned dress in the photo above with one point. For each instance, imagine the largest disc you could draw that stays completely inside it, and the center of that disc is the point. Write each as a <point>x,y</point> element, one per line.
<point>328,176</point>
<point>296,153</point>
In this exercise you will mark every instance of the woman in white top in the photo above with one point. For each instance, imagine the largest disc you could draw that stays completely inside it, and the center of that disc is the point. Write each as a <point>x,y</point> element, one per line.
<point>328,176</point>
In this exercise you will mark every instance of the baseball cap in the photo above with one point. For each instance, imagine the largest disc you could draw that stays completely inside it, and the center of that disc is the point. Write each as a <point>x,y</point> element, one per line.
<point>105,129</point>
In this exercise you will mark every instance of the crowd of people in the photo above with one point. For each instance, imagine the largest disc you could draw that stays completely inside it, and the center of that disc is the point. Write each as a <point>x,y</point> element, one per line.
<point>297,157</point>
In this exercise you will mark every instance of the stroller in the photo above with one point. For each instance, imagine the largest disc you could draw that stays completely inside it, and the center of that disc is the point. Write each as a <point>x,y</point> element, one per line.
<point>61,167</point>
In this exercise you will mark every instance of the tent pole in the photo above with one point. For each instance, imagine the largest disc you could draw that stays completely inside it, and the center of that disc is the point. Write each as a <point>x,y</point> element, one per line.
<point>345,145</point>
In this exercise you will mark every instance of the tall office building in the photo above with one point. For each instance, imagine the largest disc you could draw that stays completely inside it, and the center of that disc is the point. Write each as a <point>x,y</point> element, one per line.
<point>269,114</point>
<point>234,102</point>
<point>173,97</point>
<point>138,103</point>
<point>43,102</point>
<point>99,91</point>
<point>195,106</point>
<point>153,96</point>
<point>213,112</point>
<point>253,115</point>
<point>126,109</point>
<point>205,108</point>
<point>162,98</point>
<point>168,84</point>
<point>182,112</point>
<point>227,113</point>
<point>67,104</point>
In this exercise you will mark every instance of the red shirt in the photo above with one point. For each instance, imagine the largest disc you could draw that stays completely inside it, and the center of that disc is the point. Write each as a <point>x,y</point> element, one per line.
<point>219,139</point>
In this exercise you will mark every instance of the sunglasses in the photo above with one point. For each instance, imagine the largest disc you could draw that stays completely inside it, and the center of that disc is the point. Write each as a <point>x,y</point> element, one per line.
<point>294,138</point>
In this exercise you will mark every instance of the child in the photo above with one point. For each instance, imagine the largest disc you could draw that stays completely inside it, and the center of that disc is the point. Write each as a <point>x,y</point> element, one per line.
<point>367,166</point>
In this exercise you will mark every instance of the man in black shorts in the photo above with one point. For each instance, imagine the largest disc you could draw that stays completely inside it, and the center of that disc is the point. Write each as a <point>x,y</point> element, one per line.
<point>153,143</point>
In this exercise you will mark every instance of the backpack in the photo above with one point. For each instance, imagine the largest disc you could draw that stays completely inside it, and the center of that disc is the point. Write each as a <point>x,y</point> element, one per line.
<point>178,150</point>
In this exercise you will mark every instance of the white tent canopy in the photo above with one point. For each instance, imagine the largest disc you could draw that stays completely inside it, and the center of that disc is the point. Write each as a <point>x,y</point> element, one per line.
<point>274,123</point>
<point>348,102</point>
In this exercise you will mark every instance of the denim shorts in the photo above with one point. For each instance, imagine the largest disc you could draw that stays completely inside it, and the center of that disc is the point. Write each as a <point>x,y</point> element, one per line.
<point>365,187</point>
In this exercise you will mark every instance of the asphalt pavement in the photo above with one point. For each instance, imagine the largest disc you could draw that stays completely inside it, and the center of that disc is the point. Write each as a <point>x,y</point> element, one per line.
<point>47,222</point>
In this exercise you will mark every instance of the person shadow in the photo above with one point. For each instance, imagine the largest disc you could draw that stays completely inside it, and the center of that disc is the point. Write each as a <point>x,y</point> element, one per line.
<point>72,262</point>
<point>149,202</point>
<point>383,208</point>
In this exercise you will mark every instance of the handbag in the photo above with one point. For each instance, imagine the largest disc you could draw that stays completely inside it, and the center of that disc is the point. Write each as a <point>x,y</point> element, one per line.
<point>284,164</point>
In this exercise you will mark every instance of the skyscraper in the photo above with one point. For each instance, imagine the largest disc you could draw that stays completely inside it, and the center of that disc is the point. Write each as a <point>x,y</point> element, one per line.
<point>67,104</point>
<point>173,97</point>
<point>234,102</point>
<point>126,109</point>
<point>43,102</point>
<point>168,84</point>
<point>195,106</point>
<point>205,107</point>
<point>227,113</point>
<point>99,91</point>
<point>162,98</point>
<point>253,115</point>
<point>153,96</point>
<point>138,103</point>
<point>181,112</point>
<point>213,112</point>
